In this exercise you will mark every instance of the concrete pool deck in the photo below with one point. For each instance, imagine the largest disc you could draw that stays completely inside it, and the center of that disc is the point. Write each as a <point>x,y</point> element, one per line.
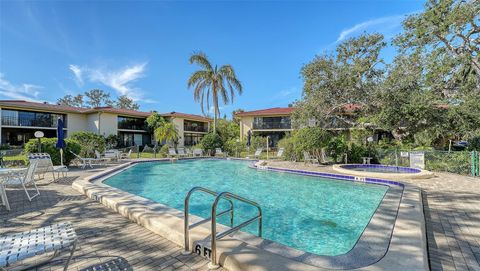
<point>407,241</point>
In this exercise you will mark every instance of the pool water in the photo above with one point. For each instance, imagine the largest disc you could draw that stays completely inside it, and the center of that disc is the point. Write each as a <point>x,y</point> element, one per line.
<point>313,214</point>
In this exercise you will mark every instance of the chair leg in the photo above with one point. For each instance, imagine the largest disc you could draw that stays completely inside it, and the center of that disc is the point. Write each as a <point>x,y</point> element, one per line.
<point>53,173</point>
<point>74,246</point>
<point>3,195</point>
<point>28,194</point>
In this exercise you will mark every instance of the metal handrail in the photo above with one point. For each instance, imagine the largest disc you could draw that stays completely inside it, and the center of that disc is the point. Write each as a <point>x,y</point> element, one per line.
<point>186,214</point>
<point>229,196</point>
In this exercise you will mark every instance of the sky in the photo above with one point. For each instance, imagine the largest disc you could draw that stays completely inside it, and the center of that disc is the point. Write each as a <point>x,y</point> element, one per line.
<point>49,49</point>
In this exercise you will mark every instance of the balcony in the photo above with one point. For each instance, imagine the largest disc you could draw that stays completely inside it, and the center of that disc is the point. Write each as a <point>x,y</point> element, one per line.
<point>193,128</point>
<point>272,125</point>
<point>129,126</point>
<point>30,122</point>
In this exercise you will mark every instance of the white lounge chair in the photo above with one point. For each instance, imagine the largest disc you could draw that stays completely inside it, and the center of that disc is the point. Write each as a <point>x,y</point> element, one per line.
<point>197,152</point>
<point>20,246</point>
<point>45,165</point>
<point>126,155</point>
<point>280,153</point>
<point>85,161</point>
<point>19,180</point>
<point>308,159</point>
<point>181,152</point>
<point>112,155</point>
<point>172,152</point>
<point>219,152</point>
<point>258,152</point>
<point>101,159</point>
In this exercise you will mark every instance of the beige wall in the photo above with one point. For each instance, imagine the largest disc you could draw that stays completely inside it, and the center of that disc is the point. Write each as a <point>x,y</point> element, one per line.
<point>246,124</point>
<point>92,123</point>
<point>179,124</point>
<point>108,124</point>
<point>75,123</point>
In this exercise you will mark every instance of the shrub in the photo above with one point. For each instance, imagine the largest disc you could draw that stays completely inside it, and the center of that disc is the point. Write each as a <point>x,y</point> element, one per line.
<point>311,138</point>
<point>89,142</point>
<point>111,141</point>
<point>48,146</point>
<point>290,153</point>
<point>164,151</point>
<point>337,147</point>
<point>355,153</point>
<point>258,142</point>
<point>232,146</point>
<point>210,142</point>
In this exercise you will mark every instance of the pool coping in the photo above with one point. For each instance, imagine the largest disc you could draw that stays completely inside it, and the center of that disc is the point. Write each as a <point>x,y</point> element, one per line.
<point>422,174</point>
<point>245,251</point>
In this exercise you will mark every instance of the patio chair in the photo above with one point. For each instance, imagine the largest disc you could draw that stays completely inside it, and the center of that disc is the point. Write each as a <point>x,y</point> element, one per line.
<point>307,158</point>
<point>197,152</point>
<point>45,165</point>
<point>19,180</point>
<point>113,155</point>
<point>258,153</point>
<point>85,161</point>
<point>20,246</point>
<point>219,152</point>
<point>126,155</point>
<point>280,153</point>
<point>181,152</point>
<point>172,152</point>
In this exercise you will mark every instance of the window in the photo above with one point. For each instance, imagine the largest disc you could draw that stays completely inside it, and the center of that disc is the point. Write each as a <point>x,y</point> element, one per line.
<point>128,123</point>
<point>195,126</point>
<point>29,118</point>
<point>192,139</point>
<point>271,123</point>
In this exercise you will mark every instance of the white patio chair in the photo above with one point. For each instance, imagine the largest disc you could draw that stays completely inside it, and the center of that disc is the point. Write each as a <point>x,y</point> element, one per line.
<point>20,246</point>
<point>258,153</point>
<point>219,152</point>
<point>126,155</point>
<point>172,152</point>
<point>181,152</point>
<point>280,153</point>
<point>309,159</point>
<point>100,159</point>
<point>197,152</point>
<point>45,165</point>
<point>85,161</point>
<point>113,155</point>
<point>20,180</point>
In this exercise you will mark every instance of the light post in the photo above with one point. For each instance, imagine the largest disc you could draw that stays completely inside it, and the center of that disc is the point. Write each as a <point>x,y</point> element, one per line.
<point>39,135</point>
<point>267,146</point>
<point>236,147</point>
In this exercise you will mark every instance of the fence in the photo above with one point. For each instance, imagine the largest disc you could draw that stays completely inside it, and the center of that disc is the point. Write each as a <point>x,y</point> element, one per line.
<point>459,162</point>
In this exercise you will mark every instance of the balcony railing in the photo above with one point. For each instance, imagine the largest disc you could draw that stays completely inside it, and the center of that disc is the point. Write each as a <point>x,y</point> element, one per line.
<point>15,121</point>
<point>189,128</point>
<point>132,127</point>
<point>272,125</point>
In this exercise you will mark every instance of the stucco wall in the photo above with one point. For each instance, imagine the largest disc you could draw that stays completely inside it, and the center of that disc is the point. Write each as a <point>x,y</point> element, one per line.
<point>92,123</point>
<point>179,124</point>
<point>108,124</point>
<point>76,122</point>
<point>246,124</point>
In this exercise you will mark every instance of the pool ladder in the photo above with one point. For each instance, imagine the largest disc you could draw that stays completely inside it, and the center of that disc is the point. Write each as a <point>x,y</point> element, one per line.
<point>213,218</point>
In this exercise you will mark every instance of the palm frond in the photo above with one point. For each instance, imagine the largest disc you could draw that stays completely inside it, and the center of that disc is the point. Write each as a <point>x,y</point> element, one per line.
<point>201,59</point>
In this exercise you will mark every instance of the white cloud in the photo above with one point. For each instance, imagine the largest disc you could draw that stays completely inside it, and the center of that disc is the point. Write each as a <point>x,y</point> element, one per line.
<point>384,25</point>
<point>26,92</point>
<point>120,80</point>
<point>78,74</point>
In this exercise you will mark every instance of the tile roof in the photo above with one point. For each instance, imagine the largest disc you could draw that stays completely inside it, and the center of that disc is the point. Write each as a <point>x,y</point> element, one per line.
<point>268,112</point>
<point>185,116</point>
<point>82,110</point>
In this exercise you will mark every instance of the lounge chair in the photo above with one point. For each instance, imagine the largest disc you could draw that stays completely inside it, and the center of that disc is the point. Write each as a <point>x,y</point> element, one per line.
<point>280,153</point>
<point>172,152</point>
<point>258,153</point>
<point>219,152</point>
<point>45,165</point>
<point>308,159</point>
<point>19,180</point>
<point>197,152</point>
<point>112,155</point>
<point>20,246</point>
<point>85,161</point>
<point>101,159</point>
<point>126,155</point>
<point>181,152</point>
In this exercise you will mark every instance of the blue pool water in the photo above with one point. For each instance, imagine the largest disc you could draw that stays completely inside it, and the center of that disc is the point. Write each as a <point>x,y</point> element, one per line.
<point>318,215</point>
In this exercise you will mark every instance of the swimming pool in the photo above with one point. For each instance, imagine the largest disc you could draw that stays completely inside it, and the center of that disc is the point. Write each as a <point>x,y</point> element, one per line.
<point>380,168</point>
<point>313,214</point>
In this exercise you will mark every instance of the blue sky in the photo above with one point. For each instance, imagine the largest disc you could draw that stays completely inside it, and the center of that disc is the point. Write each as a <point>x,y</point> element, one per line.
<point>52,48</point>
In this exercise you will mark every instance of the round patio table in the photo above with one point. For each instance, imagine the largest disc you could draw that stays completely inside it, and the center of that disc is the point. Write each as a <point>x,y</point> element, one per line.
<point>5,173</point>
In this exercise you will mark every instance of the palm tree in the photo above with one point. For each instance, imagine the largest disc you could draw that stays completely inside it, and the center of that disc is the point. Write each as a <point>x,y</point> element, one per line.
<point>213,83</point>
<point>166,132</point>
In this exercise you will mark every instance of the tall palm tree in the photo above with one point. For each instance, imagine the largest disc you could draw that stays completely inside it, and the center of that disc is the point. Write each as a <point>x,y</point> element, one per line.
<point>167,131</point>
<point>213,83</point>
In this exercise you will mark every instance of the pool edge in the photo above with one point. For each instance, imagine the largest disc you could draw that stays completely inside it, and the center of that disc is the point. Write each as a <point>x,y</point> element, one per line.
<point>406,242</point>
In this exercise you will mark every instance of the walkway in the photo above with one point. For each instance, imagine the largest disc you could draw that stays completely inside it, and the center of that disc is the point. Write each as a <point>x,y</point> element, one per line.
<point>108,241</point>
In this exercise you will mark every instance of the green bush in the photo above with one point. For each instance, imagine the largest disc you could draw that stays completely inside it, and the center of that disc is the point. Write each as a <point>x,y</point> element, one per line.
<point>210,142</point>
<point>233,147</point>
<point>89,142</point>
<point>289,153</point>
<point>111,141</point>
<point>356,152</point>
<point>164,151</point>
<point>48,146</point>
<point>456,162</point>
<point>337,148</point>
<point>258,142</point>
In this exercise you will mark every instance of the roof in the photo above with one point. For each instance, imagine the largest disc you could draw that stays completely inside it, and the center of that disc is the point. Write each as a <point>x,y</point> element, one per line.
<point>185,116</point>
<point>82,110</point>
<point>268,112</point>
